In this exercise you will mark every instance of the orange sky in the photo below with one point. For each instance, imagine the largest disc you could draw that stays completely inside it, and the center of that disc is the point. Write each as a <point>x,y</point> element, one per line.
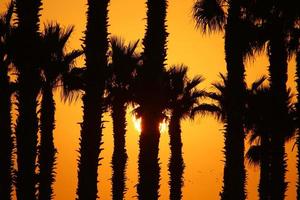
<point>202,138</point>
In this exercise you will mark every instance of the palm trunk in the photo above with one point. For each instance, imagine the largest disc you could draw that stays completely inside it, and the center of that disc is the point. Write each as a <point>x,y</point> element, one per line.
<point>28,80</point>
<point>26,132</point>
<point>149,169</point>
<point>298,120</point>
<point>96,45</point>
<point>264,181</point>
<point>6,138</point>
<point>234,169</point>
<point>119,158</point>
<point>47,149</point>
<point>176,165</point>
<point>151,100</point>
<point>278,78</point>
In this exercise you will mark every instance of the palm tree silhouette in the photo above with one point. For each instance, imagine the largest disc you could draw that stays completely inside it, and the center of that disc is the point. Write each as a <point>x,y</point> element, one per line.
<point>183,99</point>
<point>258,124</point>
<point>258,121</point>
<point>6,89</point>
<point>211,15</point>
<point>119,86</point>
<point>278,18</point>
<point>150,97</point>
<point>95,49</point>
<point>55,63</point>
<point>26,53</point>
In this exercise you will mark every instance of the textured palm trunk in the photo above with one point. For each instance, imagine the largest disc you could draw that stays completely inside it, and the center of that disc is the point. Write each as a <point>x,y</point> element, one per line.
<point>234,169</point>
<point>298,120</point>
<point>278,78</point>
<point>119,157</point>
<point>28,80</point>
<point>47,149</point>
<point>6,137</point>
<point>96,45</point>
<point>152,99</point>
<point>176,164</point>
<point>149,169</point>
<point>154,56</point>
<point>26,132</point>
<point>264,181</point>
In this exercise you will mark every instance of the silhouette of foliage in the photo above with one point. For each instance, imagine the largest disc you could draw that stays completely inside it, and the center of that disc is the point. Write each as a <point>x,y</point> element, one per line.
<point>55,62</point>
<point>183,97</point>
<point>120,91</point>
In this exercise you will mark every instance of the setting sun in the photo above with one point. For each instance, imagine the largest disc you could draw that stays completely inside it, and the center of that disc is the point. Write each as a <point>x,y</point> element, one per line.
<point>163,126</point>
<point>137,123</point>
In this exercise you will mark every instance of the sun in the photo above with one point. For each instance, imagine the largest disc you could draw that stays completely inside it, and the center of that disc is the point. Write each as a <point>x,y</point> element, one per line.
<point>137,123</point>
<point>163,126</point>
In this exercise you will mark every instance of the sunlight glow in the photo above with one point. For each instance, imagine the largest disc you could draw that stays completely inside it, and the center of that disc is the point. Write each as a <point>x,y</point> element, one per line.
<point>137,123</point>
<point>163,126</point>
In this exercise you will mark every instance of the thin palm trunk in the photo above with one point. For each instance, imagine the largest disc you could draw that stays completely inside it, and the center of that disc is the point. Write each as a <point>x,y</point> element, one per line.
<point>278,78</point>
<point>234,169</point>
<point>176,164</point>
<point>264,181</point>
<point>96,45</point>
<point>47,149</point>
<point>298,120</point>
<point>6,137</point>
<point>119,157</point>
<point>28,81</point>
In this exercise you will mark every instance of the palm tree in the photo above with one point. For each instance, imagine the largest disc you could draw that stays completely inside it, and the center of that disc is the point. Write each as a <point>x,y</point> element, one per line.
<point>211,16</point>
<point>95,49</point>
<point>279,18</point>
<point>119,86</point>
<point>6,137</point>
<point>258,121</point>
<point>183,99</point>
<point>151,99</point>
<point>25,59</point>
<point>55,63</point>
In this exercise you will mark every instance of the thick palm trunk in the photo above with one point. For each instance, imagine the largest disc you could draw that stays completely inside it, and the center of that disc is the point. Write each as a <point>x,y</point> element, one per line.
<point>234,169</point>
<point>28,80</point>
<point>26,132</point>
<point>264,181</point>
<point>119,157</point>
<point>151,100</point>
<point>298,120</point>
<point>6,138</point>
<point>278,78</point>
<point>96,44</point>
<point>176,165</point>
<point>149,168</point>
<point>47,149</point>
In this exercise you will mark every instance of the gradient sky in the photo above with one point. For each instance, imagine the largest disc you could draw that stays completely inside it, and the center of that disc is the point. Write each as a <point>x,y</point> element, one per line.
<point>202,138</point>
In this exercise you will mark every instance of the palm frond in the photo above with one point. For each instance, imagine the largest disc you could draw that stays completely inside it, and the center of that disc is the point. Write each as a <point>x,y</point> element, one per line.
<point>253,155</point>
<point>258,83</point>
<point>208,109</point>
<point>9,13</point>
<point>209,15</point>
